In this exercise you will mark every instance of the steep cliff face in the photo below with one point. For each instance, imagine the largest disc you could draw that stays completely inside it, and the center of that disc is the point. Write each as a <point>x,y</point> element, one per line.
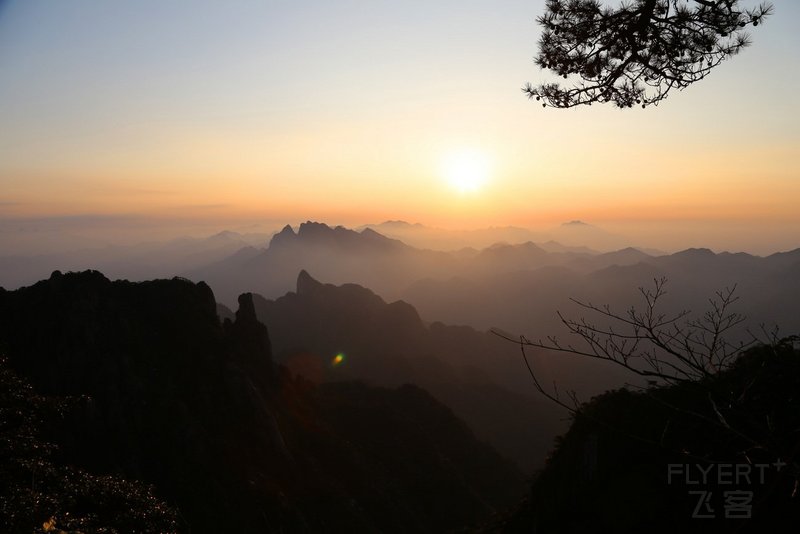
<point>166,394</point>
<point>249,341</point>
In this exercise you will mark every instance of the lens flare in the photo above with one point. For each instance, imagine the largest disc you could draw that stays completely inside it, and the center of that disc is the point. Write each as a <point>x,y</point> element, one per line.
<point>337,360</point>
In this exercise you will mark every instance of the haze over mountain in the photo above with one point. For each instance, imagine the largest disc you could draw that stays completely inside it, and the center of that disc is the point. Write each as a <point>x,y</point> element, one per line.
<point>339,254</point>
<point>312,266</point>
<point>514,287</point>
<point>517,287</point>
<point>134,261</point>
<point>525,299</point>
<point>572,235</point>
<point>325,335</point>
<point>476,374</point>
<point>384,264</point>
<point>167,394</point>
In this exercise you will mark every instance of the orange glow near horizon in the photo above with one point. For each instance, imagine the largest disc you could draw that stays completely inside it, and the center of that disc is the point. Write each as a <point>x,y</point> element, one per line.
<point>716,185</point>
<point>262,127</point>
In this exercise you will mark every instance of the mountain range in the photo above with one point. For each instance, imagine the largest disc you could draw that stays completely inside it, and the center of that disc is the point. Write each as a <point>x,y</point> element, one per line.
<point>371,396</point>
<point>572,235</point>
<point>515,287</point>
<point>518,289</point>
<point>163,392</point>
<point>477,374</point>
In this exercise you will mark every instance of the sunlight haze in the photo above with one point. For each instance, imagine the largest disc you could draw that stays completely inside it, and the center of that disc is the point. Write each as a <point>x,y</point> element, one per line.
<point>300,266</point>
<point>206,116</point>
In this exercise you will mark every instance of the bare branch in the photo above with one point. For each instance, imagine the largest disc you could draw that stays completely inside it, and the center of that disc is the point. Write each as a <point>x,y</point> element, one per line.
<point>675,349</point>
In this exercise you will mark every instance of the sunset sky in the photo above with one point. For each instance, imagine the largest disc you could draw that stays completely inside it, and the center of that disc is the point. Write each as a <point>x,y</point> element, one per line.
<point>220,115</point>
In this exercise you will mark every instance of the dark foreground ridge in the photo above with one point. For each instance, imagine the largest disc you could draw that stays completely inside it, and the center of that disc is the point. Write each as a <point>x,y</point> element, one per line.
<point>667,460</point>
<point>159,391</point>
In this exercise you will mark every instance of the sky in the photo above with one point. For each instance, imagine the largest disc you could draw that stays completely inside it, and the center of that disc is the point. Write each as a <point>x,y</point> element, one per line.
<point>203,115</point>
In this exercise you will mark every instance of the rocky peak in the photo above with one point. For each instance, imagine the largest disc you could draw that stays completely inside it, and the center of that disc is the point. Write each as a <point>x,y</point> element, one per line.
<point>306,284</point>
<point>286,235</point>
<point>696,252</point>
<point>247,311</point>
<point>312,230</point>
<point>316,234</point>
<point>250,343</point>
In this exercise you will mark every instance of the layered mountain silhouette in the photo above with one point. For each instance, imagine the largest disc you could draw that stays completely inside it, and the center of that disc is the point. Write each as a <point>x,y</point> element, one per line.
<point>573,235</point>
<point>421,236</point>
<point>167,394</point>
<point>297,405</point>
<point>343,255</point>
<point>506,285</point>
<point>371,259</point>
<point>516,287</point>
<point>477,374</point>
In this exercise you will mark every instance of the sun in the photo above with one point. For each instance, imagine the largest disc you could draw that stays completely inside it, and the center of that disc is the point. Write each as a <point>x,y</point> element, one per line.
<point>466,170</point>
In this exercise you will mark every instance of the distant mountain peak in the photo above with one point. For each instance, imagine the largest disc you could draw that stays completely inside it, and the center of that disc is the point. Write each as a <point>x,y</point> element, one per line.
<point>399,223</point>
<point>695,252</point>
<point>316,231</point>
<point>315,234</point>
<point>312,228</point>
<point>306,284</point>
<point>225,234</point>
<point>374,236</point>
<point>372,233</point>
<point>575,223</point>
<point>286,235</point>
<point>630,250</point>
